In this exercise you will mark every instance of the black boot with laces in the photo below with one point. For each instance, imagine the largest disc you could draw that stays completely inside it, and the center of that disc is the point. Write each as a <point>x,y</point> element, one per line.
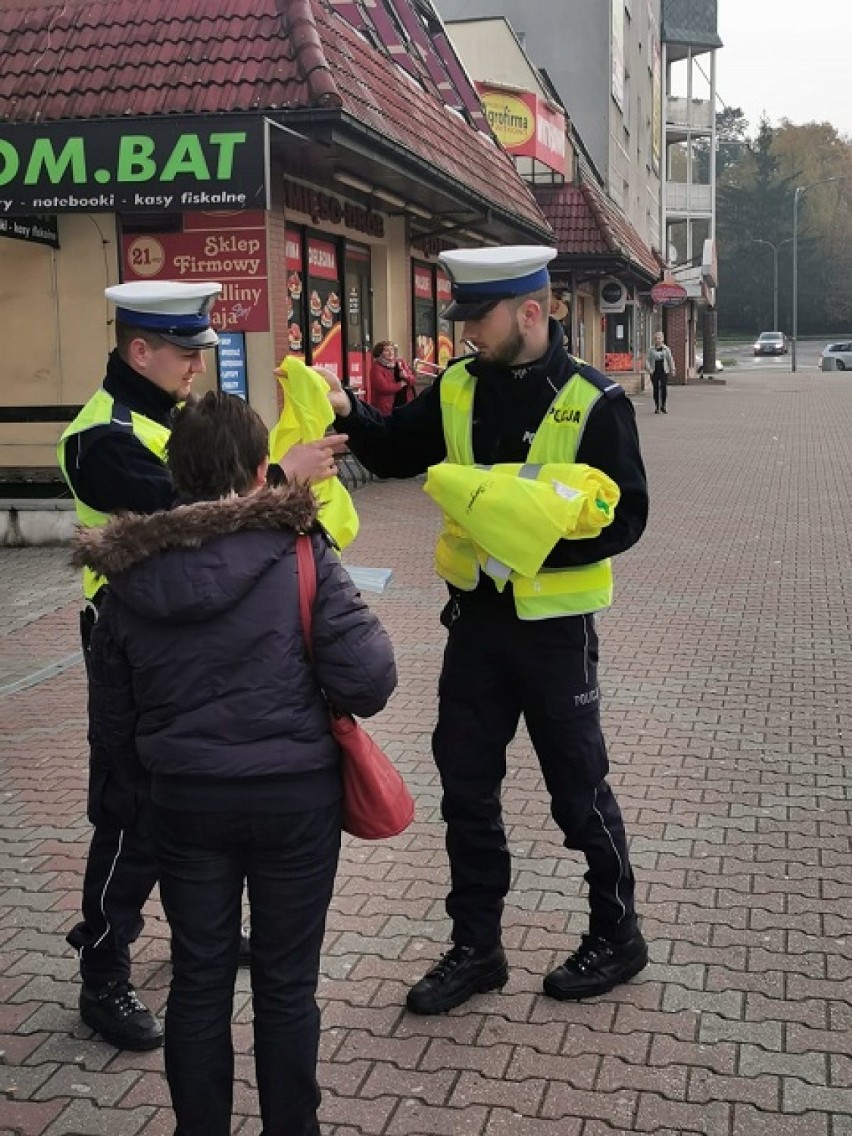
<point>118,1014</point>
<point>596,967</point>
<point>460,973</point>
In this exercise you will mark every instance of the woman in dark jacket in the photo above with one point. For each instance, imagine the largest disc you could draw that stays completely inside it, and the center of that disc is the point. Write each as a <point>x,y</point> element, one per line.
<point>203,698</point>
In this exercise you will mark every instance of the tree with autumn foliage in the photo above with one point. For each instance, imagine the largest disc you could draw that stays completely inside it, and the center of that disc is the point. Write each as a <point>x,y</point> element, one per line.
<point>756,185</point>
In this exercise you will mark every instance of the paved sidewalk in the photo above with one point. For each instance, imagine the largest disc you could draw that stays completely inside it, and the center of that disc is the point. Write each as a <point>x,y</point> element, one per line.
<point>726,669</point>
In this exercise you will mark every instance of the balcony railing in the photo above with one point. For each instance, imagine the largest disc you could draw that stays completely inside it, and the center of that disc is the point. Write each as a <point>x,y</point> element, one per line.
<point>695,114</point>
<point>681,197</point>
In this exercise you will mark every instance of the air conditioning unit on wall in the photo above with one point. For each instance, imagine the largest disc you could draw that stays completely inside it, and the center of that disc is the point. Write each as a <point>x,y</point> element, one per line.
<point>612,295</point>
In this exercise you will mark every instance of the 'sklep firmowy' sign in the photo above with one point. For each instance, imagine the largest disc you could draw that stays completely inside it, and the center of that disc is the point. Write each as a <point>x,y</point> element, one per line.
<point>226,246</point>
<point>132,165</point>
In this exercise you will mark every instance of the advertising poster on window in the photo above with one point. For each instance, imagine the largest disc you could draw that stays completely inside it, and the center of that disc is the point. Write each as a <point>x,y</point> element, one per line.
<point>355,359</point>
<point>295,294</point>
<point>227,247</point>
<point>446,348</point>
<point>325,333</point>
<point>424,313</point>
<point>232,363</point>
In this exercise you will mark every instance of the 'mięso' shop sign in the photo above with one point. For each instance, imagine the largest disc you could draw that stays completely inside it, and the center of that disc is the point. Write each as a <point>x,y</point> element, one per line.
<point>132,165</point>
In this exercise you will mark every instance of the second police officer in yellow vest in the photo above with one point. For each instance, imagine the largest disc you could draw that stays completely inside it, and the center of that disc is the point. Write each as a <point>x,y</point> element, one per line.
<point>519,645</point>
<point>113,458</point>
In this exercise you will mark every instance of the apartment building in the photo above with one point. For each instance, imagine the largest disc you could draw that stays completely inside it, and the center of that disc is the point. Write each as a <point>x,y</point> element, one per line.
<point>689,42</point>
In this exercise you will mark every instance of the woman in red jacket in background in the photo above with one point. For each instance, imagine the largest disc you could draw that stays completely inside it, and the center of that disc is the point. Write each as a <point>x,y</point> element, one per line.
<point>391,380</point>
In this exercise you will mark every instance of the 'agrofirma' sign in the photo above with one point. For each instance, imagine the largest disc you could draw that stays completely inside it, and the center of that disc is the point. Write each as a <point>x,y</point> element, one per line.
<point>132,165</point>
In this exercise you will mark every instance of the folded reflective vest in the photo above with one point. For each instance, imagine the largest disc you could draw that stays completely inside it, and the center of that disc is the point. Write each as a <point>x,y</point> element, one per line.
<point>547,503</point>
<point>306,416</point>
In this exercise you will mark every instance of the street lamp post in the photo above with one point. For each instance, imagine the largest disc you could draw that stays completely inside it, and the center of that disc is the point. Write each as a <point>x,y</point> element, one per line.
<point>800,189</point>
<point>775,248</point>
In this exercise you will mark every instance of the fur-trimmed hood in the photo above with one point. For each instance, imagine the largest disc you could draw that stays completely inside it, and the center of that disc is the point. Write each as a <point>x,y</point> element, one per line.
<point>196,560</point>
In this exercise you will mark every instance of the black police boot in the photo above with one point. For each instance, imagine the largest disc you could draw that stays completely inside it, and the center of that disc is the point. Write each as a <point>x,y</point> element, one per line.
<point>597,966</point>
<point>118,1014</point>
<point>458,975</point>
<point>244,957</point>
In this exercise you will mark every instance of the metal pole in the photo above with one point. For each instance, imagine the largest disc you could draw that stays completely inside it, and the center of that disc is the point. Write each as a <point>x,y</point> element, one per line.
<point>775,292</point>
<point>796,196</point>
<point>774,247</point>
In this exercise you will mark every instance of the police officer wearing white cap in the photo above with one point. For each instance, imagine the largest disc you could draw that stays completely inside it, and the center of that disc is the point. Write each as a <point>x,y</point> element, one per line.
<point>113,458</point>
<point>528,647</point>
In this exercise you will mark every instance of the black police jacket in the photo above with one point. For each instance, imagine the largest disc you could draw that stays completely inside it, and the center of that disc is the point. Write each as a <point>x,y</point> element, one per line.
<point>509,404</point>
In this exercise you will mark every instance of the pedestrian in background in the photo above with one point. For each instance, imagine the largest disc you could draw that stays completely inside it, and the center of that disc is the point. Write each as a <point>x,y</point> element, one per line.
<point>113,458</point>
<point>201,690</point>
<point>519,645</point>
<point>660,364</point>
<point>390,378</point>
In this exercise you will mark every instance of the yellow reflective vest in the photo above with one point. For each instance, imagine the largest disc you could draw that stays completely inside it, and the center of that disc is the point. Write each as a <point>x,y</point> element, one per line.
<point>547,503</point>
<point>306,416</point>
<point>101,413</point>
<point>501,549</point>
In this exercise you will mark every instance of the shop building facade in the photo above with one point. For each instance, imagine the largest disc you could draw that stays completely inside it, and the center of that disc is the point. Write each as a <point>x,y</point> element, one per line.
<point>313,156</point>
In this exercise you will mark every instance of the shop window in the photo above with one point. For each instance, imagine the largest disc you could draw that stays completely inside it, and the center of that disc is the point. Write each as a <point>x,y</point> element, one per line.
<point>359,332</point>
<point>619,341</point>
<point>424,322</point>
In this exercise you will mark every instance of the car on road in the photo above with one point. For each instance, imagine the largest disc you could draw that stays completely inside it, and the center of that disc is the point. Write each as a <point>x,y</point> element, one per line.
<point>837,356</point>
<point>771,343</point>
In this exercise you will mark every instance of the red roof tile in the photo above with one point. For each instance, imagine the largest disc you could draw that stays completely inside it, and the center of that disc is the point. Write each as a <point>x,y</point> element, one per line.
<point>110,58</point>
<point>588,224</point>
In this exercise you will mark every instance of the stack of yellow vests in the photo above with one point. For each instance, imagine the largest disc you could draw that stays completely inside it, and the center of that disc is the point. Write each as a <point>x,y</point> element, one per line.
<point>306,416</point>
<point>514,514</point>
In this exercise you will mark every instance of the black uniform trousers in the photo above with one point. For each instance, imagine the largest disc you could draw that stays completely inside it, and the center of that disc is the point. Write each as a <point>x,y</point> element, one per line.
<point>497,667</point>
<point>120,875</point>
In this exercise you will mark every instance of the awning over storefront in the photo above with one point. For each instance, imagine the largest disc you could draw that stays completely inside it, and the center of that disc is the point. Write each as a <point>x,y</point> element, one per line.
<point>594,238</point>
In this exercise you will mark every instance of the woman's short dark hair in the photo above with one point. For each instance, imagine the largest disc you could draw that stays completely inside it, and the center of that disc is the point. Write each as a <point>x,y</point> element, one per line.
<point>216,446</point>
<point>380,346</point>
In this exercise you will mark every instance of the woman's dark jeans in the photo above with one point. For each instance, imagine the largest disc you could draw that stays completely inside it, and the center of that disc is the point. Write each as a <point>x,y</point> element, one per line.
<point>288,862</point>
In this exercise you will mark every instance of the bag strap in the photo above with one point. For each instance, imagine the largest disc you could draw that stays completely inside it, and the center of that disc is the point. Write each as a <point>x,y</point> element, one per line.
<point>306,571</point>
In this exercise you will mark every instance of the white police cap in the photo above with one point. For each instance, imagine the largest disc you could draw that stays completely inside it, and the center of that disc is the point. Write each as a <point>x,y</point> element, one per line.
<point>482,277</point>
<point>178,311</point>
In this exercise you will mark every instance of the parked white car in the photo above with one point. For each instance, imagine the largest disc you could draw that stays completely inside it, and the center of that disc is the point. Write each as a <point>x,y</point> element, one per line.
<point>699,363</point>
<point>837,356</point>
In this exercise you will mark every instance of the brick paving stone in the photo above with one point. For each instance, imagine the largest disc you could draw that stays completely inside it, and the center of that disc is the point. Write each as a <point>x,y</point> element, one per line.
<point>726,707</point>
<point>507,1122</point>
<point>656,1112</point>
<point>750,1121</point>
<point>28,1118</point>
<point>85,1118</point>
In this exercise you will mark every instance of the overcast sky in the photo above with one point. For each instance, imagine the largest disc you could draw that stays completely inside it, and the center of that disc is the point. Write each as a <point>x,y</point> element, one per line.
<point>787,59</point>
